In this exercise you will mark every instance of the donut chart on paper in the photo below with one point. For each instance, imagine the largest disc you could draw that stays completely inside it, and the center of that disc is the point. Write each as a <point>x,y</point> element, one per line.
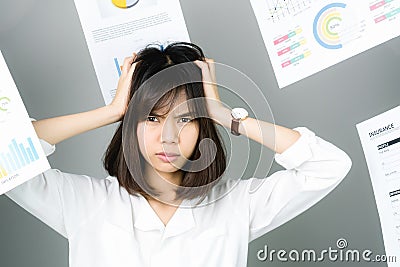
<point>124,3</point>
<point>327,25</point>
<point>4,103</point>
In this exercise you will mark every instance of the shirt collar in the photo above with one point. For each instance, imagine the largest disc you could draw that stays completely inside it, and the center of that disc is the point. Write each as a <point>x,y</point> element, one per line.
<point>146,219</point>
<point>119,209</point>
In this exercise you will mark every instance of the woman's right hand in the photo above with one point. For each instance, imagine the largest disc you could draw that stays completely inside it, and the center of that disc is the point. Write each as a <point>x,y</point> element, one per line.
<point>120,103</point>
<point>57,129</point>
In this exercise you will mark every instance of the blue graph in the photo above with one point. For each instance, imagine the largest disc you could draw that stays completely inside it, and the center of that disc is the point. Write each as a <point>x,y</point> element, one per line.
<point>18,156</point>
<point>117,66</point>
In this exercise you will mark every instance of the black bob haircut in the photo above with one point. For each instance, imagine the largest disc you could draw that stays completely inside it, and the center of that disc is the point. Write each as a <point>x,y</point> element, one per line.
<point>152,61</point>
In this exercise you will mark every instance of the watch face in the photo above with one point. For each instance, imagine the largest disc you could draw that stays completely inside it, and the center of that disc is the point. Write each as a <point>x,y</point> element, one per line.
<point>239,113</point>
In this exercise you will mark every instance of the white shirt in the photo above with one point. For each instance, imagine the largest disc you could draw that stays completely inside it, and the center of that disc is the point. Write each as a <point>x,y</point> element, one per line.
<point>106,226</point>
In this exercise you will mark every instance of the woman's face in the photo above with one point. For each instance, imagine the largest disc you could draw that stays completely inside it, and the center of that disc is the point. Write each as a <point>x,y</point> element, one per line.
<point>167,141</point>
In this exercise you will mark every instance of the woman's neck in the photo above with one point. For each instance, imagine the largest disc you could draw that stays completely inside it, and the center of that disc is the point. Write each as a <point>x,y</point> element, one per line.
<point>166,183</point>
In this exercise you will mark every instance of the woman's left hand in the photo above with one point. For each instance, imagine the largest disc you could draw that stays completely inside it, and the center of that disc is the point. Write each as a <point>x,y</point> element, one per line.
<point>214,105</point>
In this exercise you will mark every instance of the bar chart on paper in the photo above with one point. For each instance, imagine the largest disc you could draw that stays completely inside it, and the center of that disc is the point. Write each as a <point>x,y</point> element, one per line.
<point>384,10</point>
<point>17,156</point>
<point>21,154</point>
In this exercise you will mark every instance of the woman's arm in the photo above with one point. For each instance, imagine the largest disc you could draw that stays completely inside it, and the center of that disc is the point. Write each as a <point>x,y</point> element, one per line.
<point>260,131</point>
<point>63,200</point>
<point>55,130</point>
<point>314,167</point>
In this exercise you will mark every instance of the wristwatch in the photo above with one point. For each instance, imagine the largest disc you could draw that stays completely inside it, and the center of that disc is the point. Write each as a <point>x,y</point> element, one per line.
<point>238,114</point>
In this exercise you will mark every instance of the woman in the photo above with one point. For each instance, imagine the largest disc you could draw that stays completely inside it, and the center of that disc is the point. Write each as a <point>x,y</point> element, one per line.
<point>137,215</point>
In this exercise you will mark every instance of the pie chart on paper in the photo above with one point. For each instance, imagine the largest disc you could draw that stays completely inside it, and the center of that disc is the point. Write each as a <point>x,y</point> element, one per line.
<point>124,3</point>
<point>327,24</point>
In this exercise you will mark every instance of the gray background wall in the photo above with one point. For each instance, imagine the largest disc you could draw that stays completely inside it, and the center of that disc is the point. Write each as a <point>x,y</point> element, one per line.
<point>45,49</point>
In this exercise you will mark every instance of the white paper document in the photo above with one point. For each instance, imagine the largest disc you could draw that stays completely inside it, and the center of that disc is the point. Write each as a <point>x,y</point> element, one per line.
<point>21,155</point>
<point>114,29</point>
<point>380,139</point>
<point>303,37</point>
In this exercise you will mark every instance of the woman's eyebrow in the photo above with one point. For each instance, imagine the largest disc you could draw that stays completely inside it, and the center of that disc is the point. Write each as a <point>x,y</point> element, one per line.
<point>186,114</point>
<point>152,113</point>
<point>190,114</point>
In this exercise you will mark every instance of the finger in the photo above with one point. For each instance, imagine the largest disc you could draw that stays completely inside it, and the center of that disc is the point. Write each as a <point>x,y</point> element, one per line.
<point>132,69</point>
<point>127,64</point>
<point>204,67</point>
<point>211,66</point>
<point>213,80</point>
<point>200,64</point>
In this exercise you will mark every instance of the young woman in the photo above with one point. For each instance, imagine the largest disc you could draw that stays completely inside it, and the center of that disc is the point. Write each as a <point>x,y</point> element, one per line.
<point>137,216</point>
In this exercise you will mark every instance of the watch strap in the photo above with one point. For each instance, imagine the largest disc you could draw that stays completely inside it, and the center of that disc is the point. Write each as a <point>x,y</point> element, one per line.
<point>235,126</point>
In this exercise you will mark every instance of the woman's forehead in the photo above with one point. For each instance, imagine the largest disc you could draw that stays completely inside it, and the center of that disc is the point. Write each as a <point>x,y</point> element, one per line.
<point>179,104</point>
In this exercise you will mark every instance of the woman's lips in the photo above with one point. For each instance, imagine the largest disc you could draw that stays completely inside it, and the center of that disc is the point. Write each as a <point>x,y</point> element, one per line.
<point>167,157</point>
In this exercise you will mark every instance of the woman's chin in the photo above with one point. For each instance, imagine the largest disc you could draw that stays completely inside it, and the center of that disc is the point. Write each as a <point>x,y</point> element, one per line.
<point>166,168</point>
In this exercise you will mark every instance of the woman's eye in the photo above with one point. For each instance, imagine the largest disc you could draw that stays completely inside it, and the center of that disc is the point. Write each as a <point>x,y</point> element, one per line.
<point>185,120</point>
<point>152,119</point>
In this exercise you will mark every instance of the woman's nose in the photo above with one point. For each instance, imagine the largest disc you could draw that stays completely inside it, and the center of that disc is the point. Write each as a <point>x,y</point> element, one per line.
<point>169,132</point>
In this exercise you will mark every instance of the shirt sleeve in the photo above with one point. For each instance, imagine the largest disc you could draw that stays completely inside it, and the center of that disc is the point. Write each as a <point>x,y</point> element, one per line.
<point>60,200</point>
<point>314,167</point>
